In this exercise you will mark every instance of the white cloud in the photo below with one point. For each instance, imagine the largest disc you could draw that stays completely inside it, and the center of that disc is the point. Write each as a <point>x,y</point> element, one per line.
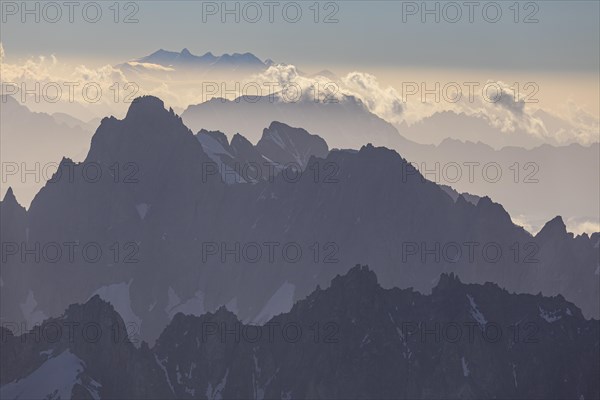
<point>150,66</point>
<point>496,105</point>
<point>582,225</point>
<point>509,115</point>
<point>385,102</point>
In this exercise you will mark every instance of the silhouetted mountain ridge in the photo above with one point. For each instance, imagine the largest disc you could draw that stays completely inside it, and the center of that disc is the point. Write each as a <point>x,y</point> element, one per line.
<point>358,340</point>
<point>367,209</point>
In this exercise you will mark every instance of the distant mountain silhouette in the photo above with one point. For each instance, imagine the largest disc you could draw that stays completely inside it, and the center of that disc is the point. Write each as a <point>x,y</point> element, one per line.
<point>36,142</point>
<point>532,184</point>
<point>460,126</point>
<point>345,124</point>
<point>280,147</point>
<point>207,63</point>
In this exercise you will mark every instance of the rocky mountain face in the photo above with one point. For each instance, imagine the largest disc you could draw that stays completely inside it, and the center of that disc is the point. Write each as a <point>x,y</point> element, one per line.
<point>342,124</point>
<point>85,353</point>
<point>353,339</point>
<point>523,180</point>
<point>148,223</point>
<point>280,147</point>
<point>286,145</point>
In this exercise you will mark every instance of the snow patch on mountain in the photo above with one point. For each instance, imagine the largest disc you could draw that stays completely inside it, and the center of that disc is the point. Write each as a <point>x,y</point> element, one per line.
<point>549,316</point>
<point>475,313</point>
<point>215,150</point>
<point>465,367</point>
<point>31,315</point>
<point>54,379</point>
<point>212,147</point>
<point>215,394</point>
<point>164,369</point>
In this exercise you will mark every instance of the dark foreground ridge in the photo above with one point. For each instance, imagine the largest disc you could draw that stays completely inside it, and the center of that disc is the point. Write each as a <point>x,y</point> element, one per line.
<point>351,340</point>
<point>169,200</point>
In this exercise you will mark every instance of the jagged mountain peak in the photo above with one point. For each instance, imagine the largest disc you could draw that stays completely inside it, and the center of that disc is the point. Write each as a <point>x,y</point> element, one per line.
<point>186,59</point>
<point>285,144</point>
<point>493,210</point>
<point>240,145</point>
<point>449,284</point>
<point>461,201</point>
<point>95,305</point>
<point>239,137</point>
<point>10,202</point>
<point>393,333</point>
<point>147,119</point>
<point>9,196</point>
<point>449,279</point>
<point>279,127</point>
<point>216,135</point>
<point>553,228</point>
<point>359,276</point>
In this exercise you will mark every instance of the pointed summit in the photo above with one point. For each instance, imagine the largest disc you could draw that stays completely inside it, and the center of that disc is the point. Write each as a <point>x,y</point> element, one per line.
<point>9,196</point>
<point>285,144</point>
<point>186,53</point>
<point>95,306</point>
<point>147,134</point>
<point>11,201</point>
<point>493,211</point>
<point>554,228</point>
<point>448,281</point>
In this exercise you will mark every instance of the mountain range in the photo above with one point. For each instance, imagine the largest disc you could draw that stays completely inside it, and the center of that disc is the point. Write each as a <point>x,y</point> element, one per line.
<point>186,62</point>
<point>33,144</point>
<point>529,183</point>
<point>479,128</point>
<point>353,339</point>
<point>175,236</point>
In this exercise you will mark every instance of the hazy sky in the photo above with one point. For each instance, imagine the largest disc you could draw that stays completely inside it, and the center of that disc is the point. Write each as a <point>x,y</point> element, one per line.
<point>374,47</point>
<point>565,38</point>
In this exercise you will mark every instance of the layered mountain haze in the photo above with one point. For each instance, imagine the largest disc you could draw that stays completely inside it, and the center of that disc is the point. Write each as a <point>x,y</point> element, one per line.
<point>33,144</point>
<point>352,111</point>
<point>279,148</point>
<point>344,124</point>
<point>72,122</point>
<point>174,72</point>
<point>516,177</point>
<point>181,79</point>
<point>460,126</point>
<point>543,128</point>
<point>513,176</point>
<point>176,236</point>
<point>352,340</point>
<point>246,62</point>
<point>299,200</point>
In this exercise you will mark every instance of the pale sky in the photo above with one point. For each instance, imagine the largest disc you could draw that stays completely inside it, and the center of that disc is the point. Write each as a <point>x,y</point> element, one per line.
<point>368,33</point>
<point>553,43</point>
